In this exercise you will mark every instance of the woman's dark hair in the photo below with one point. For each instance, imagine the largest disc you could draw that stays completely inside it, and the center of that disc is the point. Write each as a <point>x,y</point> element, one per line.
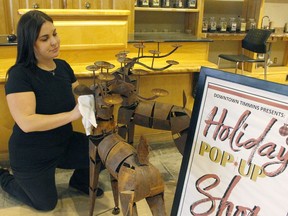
<point>28,30</point>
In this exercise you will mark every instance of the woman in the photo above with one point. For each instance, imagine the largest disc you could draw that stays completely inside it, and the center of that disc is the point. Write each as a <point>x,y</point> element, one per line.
<point>39,92</point>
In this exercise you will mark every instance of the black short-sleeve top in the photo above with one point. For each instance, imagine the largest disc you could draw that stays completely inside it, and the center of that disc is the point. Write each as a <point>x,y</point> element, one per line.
<point>53,93</point>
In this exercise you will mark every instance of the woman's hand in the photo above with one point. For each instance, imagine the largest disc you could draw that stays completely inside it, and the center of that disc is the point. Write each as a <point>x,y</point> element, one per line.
<point>76,113</point>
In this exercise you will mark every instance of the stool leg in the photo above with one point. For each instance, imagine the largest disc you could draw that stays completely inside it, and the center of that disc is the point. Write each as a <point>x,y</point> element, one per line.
<point>236,67</point>
<point>267,58</point>
<point>218,63</point>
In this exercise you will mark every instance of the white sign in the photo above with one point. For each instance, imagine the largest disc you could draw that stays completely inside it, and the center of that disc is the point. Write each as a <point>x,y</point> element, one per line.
<point>237,152</point>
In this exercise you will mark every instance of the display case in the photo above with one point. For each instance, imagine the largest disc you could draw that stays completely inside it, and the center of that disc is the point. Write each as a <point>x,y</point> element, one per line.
<point>182,17</point>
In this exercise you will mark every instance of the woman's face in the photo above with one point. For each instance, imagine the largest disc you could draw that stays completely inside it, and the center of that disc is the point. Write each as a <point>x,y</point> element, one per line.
<point>47,44</point>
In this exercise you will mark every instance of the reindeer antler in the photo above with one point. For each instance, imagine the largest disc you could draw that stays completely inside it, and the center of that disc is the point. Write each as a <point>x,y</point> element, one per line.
<point>155,54</point>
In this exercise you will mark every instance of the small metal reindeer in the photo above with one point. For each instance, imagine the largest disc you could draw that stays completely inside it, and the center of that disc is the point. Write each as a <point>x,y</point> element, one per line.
<point>133,178</point>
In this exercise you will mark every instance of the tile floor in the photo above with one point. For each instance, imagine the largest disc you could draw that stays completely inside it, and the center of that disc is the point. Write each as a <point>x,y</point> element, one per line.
<point>164,156</point>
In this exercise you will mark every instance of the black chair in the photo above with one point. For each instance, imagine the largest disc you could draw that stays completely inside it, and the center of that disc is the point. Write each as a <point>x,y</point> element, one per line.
<point>256,42</point>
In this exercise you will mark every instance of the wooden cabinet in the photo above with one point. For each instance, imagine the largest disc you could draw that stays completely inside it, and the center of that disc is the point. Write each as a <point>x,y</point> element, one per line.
<point>40,4</point>
<point>82,4</point>
<point>9,15</point>
<point>104,4</point>
<point>5,18</point>
<point>159,19</point>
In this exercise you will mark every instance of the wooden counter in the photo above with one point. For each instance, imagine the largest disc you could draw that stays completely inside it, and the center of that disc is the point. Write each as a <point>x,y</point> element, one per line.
<point>191,56</point>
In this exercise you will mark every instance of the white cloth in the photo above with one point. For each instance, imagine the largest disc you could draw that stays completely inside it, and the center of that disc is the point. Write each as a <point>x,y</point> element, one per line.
<point>87,110</point>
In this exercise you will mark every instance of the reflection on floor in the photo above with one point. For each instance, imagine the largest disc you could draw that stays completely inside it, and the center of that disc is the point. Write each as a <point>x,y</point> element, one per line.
<point>164,156</point>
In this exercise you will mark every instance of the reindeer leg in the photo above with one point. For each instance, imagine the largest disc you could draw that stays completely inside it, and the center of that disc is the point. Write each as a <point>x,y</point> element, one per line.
<point>131,128</point>
<point>122,131</point>
<point>114,185</point>
<point>157,205</point>
<point>94,175</point>
<point>127,203</point>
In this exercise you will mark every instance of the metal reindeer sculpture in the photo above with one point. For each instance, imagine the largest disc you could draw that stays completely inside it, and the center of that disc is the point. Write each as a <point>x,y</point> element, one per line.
<point>132,176</point>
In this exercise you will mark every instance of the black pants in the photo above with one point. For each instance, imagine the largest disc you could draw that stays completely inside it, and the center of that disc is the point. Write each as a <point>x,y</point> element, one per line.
<point>38,190</point>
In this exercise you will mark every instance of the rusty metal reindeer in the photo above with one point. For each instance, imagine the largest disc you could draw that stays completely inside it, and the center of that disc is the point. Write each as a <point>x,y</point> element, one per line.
<point>132,176</point>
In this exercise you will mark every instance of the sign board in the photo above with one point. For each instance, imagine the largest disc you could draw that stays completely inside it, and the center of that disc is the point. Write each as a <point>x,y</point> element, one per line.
<point>236,154</point>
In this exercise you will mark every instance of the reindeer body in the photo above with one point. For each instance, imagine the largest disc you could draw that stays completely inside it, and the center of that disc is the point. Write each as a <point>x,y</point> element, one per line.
<point>151,114</point>
<point>155,115</point>
<point>132,178</point>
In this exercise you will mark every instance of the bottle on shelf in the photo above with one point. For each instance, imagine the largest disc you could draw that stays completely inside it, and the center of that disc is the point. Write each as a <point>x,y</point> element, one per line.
<point>212,26</point>
<point>205,24</point>
<point>191,3</point>
<point>222,25</point>
<point>251,24</point>
<point>232,25</point>
<point>143,3</point>
<point>166,3</point>
<point>241,25</point>
<point>178,4</point>
<point>154,3</point>
<point>136,3</point>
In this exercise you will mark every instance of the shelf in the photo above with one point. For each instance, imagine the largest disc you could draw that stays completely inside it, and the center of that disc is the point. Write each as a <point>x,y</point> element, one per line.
<point>239,36</point>
<point>78,13</point>
<point>225,36</point>
<point>159,9</point>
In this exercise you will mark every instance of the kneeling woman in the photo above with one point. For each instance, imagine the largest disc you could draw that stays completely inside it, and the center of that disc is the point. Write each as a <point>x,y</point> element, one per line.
<point>39,92</point>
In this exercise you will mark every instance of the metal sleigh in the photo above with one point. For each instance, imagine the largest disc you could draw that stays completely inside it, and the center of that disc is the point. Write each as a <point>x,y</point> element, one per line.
<point>132,176</point>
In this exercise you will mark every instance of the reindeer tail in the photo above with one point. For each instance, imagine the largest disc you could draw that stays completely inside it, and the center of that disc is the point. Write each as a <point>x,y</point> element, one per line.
<point>143,151</point>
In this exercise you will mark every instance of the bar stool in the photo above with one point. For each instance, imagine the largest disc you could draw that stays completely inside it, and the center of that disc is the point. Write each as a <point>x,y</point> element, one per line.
<point>256,42</point>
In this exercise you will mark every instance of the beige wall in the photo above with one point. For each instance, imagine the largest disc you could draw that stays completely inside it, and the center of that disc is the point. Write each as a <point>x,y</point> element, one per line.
<point>277,12</point>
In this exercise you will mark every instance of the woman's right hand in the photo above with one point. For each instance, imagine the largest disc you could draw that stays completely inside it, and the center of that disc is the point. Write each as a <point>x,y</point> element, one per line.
<point>76,113</point>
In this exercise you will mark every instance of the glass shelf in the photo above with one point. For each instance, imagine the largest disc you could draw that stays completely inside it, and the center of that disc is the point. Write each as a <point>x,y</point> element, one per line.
<point>159,9</point>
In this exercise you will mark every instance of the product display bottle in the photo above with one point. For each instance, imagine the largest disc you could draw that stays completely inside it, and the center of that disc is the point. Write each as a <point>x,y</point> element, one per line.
<point>136,3</point>
<point>178,4</point>
<point>205,25</point>
<point>222,25</point>
<point>251,24</point>
<point>212,26</point>
<point>154,3</point>
<point>232,26</point>
<point>241,25</point>
<point>191,3</point>
<point>166,3</point>
<point>143,3</point>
